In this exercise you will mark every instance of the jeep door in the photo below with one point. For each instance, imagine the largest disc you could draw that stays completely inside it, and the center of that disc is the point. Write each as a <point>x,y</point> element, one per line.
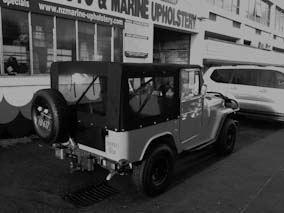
<point>191,108</point>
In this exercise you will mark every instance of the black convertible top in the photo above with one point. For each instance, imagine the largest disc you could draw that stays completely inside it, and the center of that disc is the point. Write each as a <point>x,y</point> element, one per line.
<point>115,73</point>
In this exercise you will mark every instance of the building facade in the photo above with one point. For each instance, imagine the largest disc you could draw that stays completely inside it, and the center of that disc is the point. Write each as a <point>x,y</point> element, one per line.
<point>35,33</point>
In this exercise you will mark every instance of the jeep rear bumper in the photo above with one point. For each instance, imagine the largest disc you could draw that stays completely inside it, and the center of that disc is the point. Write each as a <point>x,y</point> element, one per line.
<point>86,161</point>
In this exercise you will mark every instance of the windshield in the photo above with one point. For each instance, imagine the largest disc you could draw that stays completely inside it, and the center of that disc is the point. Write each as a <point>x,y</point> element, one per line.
<point>87,91</point>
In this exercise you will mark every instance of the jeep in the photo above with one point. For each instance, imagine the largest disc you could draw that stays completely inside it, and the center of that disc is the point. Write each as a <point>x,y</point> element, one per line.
<point>132,119</point>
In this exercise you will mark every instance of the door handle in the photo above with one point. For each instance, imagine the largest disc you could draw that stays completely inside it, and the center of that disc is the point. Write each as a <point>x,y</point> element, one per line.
<point>263,90</point>
<point>233,88</point>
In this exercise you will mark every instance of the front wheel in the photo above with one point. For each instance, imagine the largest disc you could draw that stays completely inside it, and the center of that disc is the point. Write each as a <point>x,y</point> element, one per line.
<point>153,175</point>
<point>227,138</point>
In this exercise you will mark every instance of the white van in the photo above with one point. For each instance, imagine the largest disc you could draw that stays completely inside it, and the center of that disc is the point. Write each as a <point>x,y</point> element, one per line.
<point>259,90</point>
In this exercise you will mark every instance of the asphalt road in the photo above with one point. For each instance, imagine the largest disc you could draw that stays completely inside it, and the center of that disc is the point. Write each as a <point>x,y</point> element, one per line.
<point>249,180</point>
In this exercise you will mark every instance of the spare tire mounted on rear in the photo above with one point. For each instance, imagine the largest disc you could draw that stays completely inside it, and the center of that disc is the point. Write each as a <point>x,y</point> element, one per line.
<point>50,116</point>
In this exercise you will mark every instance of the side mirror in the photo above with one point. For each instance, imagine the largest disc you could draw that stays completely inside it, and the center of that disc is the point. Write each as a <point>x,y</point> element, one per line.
<point>203,89</point>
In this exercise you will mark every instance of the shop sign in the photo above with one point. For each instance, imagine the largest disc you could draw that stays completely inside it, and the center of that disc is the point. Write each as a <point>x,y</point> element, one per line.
<point>166,12</point>
<point>53,8</point>
<point>16,4</point>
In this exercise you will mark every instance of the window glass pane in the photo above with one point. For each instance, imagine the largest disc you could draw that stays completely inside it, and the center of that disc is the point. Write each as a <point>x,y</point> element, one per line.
<point>236,6</point>
<point>66,40</point>
<point>15,41</point>
<point>245,77</point>
<point>87,90</point>
<point>279,77</point>
<point>151,96</point>
<point>190,84</point>
<point>228,5</point>
<point>86,33</point>
<point>222,76</point>
<point>219,3</point>
<point>103,43</point>
<point>270,78</point>
<point>118,44</point>
<point>42,33</point>
<point>259,11</point>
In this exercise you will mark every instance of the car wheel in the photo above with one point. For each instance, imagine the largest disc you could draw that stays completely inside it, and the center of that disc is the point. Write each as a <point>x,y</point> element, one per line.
<point>227,138</point>
<point>153,175</point>
<point>49,116</point>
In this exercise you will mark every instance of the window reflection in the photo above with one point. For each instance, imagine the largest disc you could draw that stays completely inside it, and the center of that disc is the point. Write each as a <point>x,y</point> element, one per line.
<point>42,27</point>
<point>190,84</point>
<point>86,33</point>
<point>103,43</point>
<point>66,40</point>
<point>118,44</point>
<point>15,41</point>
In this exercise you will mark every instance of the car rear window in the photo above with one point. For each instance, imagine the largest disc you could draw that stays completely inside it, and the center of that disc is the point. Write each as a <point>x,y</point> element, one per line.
<point>222,75</point>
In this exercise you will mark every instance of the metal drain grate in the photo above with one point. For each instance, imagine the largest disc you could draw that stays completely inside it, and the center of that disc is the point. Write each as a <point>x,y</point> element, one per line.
<point>91,195</point>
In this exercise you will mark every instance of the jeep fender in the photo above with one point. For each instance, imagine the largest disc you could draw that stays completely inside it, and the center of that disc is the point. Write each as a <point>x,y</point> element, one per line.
<point>164,138</point>
<point>230,114</point>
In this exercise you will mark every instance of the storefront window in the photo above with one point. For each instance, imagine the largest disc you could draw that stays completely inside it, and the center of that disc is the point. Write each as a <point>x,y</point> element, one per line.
<point>103,43</point>
<point>86,36</point>
<point>42,28</point>
<point>66,40</point>
<point>15,41</point>
<point>118,44</point>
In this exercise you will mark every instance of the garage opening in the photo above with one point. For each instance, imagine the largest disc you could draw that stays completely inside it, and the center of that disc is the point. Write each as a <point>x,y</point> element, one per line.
<point>171,47</point>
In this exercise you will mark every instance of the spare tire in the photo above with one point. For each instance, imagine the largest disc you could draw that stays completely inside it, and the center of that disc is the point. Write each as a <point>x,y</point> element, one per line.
<point>50,116</point>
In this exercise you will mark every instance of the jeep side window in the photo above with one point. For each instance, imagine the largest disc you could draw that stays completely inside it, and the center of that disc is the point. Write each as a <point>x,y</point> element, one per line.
<point>245,77</point>
<point>190,82</point>
<point>222,75</point>
<point>151,96</point>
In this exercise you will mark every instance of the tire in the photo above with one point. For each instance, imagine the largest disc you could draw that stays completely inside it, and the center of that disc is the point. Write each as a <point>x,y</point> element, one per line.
<point>153,175</point>
<point>226,142</point>
<point>50,116</point>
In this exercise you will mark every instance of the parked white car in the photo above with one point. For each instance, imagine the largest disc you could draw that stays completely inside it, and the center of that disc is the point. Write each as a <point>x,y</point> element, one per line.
<point>259,90</point>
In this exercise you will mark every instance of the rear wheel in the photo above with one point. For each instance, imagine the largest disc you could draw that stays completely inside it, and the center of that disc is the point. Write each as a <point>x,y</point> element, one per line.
<point>227,138</point>
<point>49,115</point>
<point>153,175</point>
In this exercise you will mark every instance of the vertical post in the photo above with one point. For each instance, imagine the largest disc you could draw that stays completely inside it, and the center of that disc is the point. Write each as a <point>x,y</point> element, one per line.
<point>1,45</point>
<point>112,44</point>
<point>77,39</point>
<point>54,40</point>
<point>95,43</point>
<point>31,43</point>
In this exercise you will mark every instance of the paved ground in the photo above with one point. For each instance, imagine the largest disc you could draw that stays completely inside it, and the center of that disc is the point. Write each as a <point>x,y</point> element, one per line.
<point>250,180</point>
